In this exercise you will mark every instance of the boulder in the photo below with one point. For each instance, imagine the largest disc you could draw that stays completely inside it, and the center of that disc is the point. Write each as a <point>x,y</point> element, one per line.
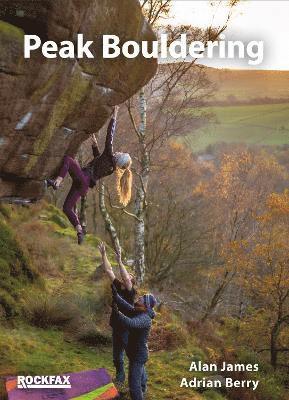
<point>50,106</point>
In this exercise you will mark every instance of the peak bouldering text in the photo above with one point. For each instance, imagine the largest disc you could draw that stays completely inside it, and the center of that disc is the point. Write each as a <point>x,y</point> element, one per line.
<point>181,49</point>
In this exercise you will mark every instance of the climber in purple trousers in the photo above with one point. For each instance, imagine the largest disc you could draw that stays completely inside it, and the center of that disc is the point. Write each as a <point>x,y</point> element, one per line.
<point>79,188</point>
<point>103,164</point>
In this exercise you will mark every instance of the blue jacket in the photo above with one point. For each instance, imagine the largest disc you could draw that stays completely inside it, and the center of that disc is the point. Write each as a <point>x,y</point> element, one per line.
<point>138,325</point>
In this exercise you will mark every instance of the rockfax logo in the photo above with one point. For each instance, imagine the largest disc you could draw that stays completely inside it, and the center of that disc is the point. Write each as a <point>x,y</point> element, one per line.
<point>43,382</point>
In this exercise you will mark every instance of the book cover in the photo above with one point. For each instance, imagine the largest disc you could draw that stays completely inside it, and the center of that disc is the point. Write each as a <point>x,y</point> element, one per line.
<point>144,204</point>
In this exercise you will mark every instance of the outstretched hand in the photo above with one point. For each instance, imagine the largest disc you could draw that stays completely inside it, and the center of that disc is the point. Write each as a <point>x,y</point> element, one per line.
<point>102,249</point>
<point>94,140</point>
<point>115,111</point>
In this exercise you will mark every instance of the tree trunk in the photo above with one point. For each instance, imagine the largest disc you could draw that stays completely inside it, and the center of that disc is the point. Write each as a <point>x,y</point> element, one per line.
<point>273,344</point>
<point>140,201</point>
<point>83,201</point>
<point>139,259</point>
<point>275,332</point>
<point>107,220</point>
<point>94,212</point>
<point>217,296</point>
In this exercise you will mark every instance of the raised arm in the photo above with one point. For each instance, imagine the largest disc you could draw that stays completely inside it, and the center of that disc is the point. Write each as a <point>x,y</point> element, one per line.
<point>126,278</point>
<point>140,322</point>
<point>124,305</point>
<point>106,264</point>
<point>95,148</point>
<point>110,132</point>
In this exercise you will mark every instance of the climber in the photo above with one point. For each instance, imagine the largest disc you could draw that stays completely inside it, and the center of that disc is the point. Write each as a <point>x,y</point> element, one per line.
<point>138,320</point>
<point>84,178</point>
<point>126,289</point>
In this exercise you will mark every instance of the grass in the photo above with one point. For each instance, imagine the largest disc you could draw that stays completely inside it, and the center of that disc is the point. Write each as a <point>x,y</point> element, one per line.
<point>253,124</point>
<point>56,346</point>
<point>16,270</point>
<point>67,270</point>
<point>166,370</point>
<point>28,350</point>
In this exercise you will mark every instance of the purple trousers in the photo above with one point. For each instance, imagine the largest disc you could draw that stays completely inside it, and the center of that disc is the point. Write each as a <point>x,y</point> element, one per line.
<point>79,188</point>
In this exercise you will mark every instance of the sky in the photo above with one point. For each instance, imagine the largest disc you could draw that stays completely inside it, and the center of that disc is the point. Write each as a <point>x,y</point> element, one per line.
<point>266,20</point>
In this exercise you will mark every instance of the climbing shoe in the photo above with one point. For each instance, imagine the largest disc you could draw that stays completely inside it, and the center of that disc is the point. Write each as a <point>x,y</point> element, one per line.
<point>51,183</point>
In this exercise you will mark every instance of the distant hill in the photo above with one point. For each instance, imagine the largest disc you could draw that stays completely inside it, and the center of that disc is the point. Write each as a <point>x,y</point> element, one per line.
<point>246,85</point>
<point>265,124</point>
<point>249,107</point>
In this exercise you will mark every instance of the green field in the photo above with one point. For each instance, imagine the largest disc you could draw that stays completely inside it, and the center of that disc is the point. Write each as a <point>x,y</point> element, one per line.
<point>246,85</point>
<point>266,124</point>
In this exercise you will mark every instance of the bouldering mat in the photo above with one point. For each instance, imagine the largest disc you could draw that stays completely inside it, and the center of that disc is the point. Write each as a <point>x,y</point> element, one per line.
<point>86,385</point>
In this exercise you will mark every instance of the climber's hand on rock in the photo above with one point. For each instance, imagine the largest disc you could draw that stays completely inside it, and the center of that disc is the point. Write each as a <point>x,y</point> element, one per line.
<point>94,139</point>
<point>115,111</point>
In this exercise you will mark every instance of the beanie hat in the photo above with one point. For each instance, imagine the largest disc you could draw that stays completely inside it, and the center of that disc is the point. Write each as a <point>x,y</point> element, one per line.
<point>122,159</point>
<point>149,300</point>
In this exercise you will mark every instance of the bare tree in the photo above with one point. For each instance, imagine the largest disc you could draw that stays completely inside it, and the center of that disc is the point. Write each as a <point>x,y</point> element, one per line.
<point>107,219</point>
<point>176,87</point>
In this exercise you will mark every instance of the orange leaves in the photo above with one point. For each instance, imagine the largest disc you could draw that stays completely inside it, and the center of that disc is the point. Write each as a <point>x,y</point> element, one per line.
<point>200,189</point>
<point>234,168</point>
<point>276,211</point>
<point>244,174</point>
<point>177,146</point>
<point>263,260</point>
<point>279,203</point>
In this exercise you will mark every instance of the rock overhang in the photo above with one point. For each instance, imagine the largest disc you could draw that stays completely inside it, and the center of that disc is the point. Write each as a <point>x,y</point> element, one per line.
<point>50,106</point>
